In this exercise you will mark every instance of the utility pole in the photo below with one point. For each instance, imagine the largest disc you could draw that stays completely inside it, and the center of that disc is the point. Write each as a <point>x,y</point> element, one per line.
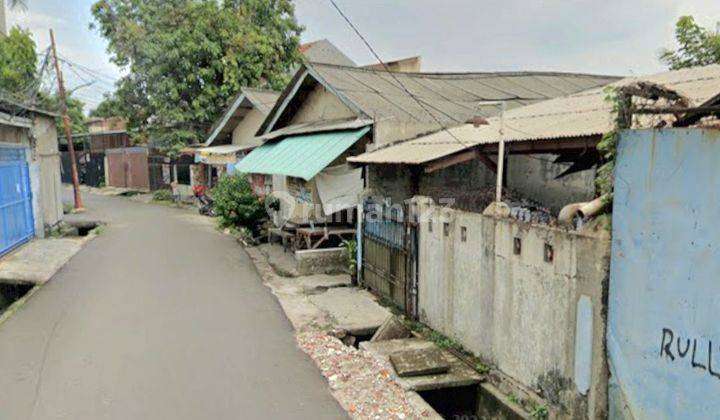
<point>66,125</point>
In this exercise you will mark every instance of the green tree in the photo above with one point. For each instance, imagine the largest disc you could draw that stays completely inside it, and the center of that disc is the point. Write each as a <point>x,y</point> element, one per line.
<point>18,63</point>
<point>697,46</point>
<point>109,107</point>
<point>187,58</point>
<point>75,112</point>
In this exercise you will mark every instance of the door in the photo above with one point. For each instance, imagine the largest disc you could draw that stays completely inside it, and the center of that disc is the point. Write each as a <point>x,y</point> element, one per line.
<point>389,251</point>
<point>16,215</point>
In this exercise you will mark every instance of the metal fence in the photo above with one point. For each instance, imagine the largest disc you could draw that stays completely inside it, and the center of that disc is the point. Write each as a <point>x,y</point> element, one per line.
<point>390,254</point>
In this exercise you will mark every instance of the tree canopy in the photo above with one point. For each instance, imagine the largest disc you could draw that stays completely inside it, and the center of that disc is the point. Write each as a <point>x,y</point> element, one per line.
<point>187,58</point>
<point>19,79</point>
<point>18,63</point>
<point>697,46</point>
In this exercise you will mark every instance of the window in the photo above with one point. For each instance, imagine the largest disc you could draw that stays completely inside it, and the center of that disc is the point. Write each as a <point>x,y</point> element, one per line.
<point>446,229</point>
<point>463,234</point>
<point>517,246</point>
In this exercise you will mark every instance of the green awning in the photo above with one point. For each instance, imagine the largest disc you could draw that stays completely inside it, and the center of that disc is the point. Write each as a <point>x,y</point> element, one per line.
<point>302,156</point>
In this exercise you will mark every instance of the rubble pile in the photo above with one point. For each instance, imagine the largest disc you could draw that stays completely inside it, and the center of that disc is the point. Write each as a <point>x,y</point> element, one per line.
<point>361,383</point>
<point>528,211</point>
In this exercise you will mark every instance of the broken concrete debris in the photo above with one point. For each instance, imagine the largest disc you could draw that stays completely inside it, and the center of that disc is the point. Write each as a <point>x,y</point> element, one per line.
<point>391,329</point>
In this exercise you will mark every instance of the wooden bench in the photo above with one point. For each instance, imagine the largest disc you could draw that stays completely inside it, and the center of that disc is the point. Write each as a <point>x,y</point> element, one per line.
<point>286,238</point>
<point>313,237</point>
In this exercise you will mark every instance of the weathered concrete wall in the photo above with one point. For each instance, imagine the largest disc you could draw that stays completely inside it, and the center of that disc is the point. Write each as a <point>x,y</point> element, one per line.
<point>321,261</point>
<point>533,176</point>
<point>321,105</point>
<point>47,158</point>
<point>244,133</point>
<point>517,310</point>
<point>391,130</point>
<point>455,182</point>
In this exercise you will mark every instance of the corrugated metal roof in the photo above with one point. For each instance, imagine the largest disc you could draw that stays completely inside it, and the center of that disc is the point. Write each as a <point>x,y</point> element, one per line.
<point>450,98</point>
<point>316,127</point>
<point>302,156</point>
<point>578,115</point>
<point>324,51</point>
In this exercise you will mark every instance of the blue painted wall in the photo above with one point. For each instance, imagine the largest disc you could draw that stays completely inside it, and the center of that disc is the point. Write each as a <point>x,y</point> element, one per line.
<point>664,308</point>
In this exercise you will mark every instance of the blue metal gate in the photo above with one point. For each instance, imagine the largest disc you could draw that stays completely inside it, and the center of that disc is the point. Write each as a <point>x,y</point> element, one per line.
<point>16,216</point>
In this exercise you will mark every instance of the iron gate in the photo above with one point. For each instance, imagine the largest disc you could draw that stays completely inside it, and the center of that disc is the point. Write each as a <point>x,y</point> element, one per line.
<point>390,251</point>
<point>16,215</point>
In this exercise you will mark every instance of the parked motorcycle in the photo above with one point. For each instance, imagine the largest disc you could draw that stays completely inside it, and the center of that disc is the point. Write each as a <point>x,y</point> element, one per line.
<point>206,205</point>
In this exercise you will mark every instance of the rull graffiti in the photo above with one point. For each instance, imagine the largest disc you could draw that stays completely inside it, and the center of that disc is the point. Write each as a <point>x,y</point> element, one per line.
<point>677,348</point>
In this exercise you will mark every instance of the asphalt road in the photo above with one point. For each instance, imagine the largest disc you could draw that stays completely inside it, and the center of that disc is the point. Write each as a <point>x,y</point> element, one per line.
<point>160,317</point>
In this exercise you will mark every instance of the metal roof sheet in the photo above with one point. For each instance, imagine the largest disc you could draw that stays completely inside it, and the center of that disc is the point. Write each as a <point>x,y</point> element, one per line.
<point>316,127</point>
<point>450,98</point>
<point>581,114</point>
<point>302,156</point>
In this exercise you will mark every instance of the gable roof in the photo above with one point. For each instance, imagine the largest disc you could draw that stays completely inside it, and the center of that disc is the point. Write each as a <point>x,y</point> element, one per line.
<point>325,52</point>
<point>579,115</point>
<point>452,98</point>
<point>247,99</point>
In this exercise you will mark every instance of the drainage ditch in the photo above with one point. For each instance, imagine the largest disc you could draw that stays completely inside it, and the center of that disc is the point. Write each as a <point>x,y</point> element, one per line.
<point>10,293</point>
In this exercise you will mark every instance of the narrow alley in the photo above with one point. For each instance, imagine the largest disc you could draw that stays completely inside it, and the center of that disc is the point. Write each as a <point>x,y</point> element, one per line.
<point>163,317</point>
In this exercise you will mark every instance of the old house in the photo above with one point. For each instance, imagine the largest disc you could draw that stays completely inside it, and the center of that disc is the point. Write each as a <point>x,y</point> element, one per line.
<point>525,295</point>
<point>233,136</point>
<point>328,100</point>
<point>30,188</point>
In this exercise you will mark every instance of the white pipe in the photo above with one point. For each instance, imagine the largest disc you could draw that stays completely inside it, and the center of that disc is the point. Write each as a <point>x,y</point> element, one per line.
<point>594,207</point>
<point>569,213</point>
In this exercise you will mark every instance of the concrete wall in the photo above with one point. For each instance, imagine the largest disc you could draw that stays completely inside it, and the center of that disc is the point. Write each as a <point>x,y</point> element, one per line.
<point>244,133</point>
<point>321,105</point>
<point>533,176</point>
<point>519,312</point>
<point>43,160</point>
<point>457,182</point>
<point>47,158</point>
<point>391,130</point>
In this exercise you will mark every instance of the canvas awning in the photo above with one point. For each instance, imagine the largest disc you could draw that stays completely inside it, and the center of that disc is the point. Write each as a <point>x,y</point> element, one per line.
<point>220,155</point>
<point>302,156</point>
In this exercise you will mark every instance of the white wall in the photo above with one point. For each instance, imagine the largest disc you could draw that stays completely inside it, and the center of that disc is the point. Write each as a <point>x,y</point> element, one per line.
<point>244,133</point>
<point>321,105</point>
<point>518,312</point>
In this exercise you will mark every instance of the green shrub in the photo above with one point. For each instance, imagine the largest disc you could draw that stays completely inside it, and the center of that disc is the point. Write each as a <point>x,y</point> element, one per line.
<point>350,250</point>
<point>163,195</point>
<point>235,203</point>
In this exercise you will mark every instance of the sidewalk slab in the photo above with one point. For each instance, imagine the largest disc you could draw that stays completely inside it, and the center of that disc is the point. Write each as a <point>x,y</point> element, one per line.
<point>37,261</point>
<point>353,310</point>
<point>458,375</point>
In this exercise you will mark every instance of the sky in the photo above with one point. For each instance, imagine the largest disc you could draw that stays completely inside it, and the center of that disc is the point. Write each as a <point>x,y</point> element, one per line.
<point>619,37</point>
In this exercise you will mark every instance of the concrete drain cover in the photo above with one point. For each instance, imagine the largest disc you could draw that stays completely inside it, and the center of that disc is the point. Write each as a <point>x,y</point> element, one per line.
<point>419,362</point>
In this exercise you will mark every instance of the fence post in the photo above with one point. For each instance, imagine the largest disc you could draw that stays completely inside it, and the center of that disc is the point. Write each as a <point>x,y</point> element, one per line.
<point>358,240</point>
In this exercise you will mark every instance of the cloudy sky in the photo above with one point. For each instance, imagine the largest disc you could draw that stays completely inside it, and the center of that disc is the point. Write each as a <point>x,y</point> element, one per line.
<point>614,37</point>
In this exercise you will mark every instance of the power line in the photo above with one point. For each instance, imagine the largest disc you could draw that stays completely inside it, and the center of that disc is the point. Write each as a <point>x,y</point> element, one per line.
<point>387,69</point>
